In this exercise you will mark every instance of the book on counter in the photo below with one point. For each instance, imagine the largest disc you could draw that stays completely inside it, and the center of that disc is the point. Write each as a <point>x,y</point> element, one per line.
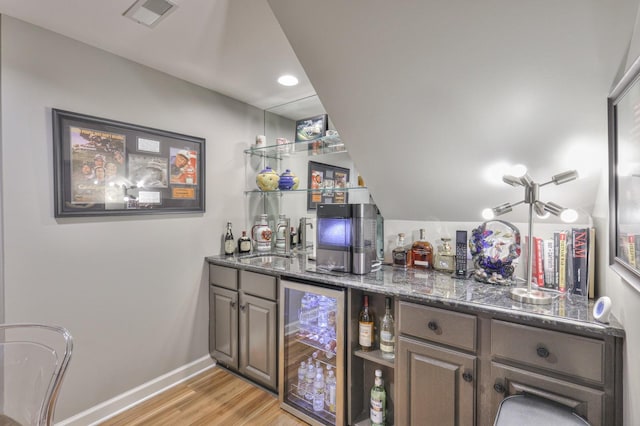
<point>565,261</point>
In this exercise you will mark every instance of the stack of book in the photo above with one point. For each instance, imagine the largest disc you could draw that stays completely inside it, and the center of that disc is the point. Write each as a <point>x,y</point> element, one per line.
<point>565,262</point>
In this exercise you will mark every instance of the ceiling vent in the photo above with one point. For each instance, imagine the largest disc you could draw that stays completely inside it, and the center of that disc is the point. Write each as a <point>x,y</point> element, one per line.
<point>149,12</point>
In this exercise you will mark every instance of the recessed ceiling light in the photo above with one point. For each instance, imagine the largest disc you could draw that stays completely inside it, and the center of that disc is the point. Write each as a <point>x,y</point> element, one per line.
<point>149,12</point>
<point>287,80</point>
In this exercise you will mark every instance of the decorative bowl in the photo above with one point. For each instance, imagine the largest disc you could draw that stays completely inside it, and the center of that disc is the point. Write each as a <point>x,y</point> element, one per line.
<point>267,179</point>
<point>288,181</point>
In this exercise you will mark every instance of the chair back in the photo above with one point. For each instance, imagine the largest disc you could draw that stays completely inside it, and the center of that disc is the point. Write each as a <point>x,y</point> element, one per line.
<point>33,362</point>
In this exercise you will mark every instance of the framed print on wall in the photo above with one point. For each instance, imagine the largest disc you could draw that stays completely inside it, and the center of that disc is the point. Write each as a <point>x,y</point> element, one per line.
<point>325,183</point>
<point>106,167</point>
<point>311,128</point>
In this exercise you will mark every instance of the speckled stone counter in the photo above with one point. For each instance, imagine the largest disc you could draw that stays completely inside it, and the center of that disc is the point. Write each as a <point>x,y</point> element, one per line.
<point>436,289</point>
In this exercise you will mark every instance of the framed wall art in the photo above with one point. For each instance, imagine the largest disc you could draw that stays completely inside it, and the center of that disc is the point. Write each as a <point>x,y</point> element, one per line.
<point>326,184</point>
<point>107,167</point>
<point>624,176</point>
<point>311,128</point>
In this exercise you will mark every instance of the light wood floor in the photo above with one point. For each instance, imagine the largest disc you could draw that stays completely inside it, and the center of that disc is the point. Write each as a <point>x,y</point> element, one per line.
<point>215,397</point>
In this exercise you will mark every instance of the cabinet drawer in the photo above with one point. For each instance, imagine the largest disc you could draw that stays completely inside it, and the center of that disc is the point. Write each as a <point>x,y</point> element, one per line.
<point>259,285</point>
<point>552,350</point>
<point>223,277</point>
<point>437,325</point>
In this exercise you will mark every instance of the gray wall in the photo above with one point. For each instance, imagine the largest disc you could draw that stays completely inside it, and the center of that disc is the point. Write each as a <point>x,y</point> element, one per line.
<point>131,290</point>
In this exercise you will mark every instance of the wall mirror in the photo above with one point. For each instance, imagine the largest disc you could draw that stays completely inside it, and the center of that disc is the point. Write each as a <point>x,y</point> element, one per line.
<point>280,122</point>
<point>624,176</point>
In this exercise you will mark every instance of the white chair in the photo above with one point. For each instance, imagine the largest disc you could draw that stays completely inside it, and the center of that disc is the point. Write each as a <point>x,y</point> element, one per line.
<point>33,362</point>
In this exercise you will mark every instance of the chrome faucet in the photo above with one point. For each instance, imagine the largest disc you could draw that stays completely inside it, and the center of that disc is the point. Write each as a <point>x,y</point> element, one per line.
<point>302,232</point>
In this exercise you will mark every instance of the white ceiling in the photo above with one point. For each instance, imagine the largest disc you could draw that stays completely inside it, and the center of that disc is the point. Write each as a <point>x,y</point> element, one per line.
<point>426,94</point>
<point>431,96</point>
<point>234,47</point>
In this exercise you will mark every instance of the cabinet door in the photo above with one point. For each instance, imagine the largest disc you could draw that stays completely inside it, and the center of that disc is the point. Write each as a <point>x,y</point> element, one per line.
<point>439,385</point>
<point>507,380</point>
<point>258,339</point>
<point>223,326</point>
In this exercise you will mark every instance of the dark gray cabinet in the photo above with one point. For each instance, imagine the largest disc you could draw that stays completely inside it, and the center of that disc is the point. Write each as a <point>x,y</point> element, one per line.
<point>436,383</point>
<point>243,313</point>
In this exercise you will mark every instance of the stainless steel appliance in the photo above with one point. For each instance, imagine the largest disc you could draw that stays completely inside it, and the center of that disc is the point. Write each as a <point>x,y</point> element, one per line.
<point>347,237</point>
<point>312,328</point>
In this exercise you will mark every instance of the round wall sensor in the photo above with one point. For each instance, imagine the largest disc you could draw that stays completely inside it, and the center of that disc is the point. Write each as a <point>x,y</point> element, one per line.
<point>602,309</point>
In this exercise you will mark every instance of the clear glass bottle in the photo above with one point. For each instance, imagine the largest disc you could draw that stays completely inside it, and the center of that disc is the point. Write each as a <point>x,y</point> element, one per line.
<point>387,332</point>
<point>378,405</point>
<point>365,327</point>
<point>422,251</point>
<point>244,243</point>
<point>311,376</point>
<point>318,390</point>
<point>330,391</point>
<point>401,254</point>
<point>445,259</point>
<point>302,379</point>
<point>229,242</point>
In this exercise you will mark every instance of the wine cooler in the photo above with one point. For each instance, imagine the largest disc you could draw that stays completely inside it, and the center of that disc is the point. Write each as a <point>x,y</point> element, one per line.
<point>312,359</point>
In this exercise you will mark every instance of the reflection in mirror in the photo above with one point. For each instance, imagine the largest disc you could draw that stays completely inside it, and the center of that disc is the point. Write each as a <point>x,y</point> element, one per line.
<point>280,122</point>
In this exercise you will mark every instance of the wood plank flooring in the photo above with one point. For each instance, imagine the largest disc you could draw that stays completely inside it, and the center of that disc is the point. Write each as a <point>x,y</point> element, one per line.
<point>215,397</point>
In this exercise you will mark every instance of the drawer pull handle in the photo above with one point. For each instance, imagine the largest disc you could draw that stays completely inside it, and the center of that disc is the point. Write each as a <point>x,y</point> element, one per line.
<point>542,352</point>
<point>243,307</point>
<point>467,377</point>
<point>233,304</point>
<point>433,326</point>
<point>498,387</point>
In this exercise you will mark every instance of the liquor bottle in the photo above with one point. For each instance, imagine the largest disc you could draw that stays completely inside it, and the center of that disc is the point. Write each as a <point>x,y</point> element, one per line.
<point>330,391</point>
<point>445,259</point>
<point>422,252</point>
<point>302,377</point>
<point>387,334</point>
<point>402,255</point>
<point>378,412</point>
<point>229,242</point>
<point>244,244</point>
<point>365,327</point>
<point>318,390</point>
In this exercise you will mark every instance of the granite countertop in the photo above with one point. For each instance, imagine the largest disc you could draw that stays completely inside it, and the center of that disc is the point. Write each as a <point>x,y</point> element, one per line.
<point>434,287</point>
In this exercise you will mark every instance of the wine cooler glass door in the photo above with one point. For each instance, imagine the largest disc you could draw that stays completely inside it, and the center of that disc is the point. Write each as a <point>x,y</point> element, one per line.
<point>312,352</point>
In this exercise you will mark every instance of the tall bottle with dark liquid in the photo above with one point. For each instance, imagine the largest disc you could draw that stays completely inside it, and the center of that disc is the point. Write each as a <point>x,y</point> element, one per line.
<point>365,327</point>
<point>244,244</point>
<point>229,242</point>
<point>401,254</point>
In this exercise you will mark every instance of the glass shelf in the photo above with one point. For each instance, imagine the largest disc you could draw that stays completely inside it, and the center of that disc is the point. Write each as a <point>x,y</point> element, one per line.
<point>279,192</point>
<point>320,146</point>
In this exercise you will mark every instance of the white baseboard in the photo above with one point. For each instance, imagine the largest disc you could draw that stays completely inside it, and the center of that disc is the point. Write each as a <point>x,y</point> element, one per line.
<point>101,412</point>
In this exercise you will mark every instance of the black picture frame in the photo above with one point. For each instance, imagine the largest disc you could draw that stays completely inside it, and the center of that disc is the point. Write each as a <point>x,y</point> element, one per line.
<point>623,105</point>
<point>325,183</point>
<point>312,128</point>
<point>105,167</point>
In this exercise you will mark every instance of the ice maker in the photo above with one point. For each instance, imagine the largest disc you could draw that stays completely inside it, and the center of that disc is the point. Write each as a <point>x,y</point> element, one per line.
<point>346,237</point>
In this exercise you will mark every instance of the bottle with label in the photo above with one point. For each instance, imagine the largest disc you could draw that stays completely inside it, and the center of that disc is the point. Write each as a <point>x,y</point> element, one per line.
<point>311,376</point>
<point>402,255</point>
<point>378,412</point>
<point>387,332</point>
<point>445,259</point>
<point>365,327</point>
<point>302,378</point>
<point>330,391</point>
<point>318,390</point>
<point>422,252</point>
<point>229,242</point>
<point>244,244</point>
